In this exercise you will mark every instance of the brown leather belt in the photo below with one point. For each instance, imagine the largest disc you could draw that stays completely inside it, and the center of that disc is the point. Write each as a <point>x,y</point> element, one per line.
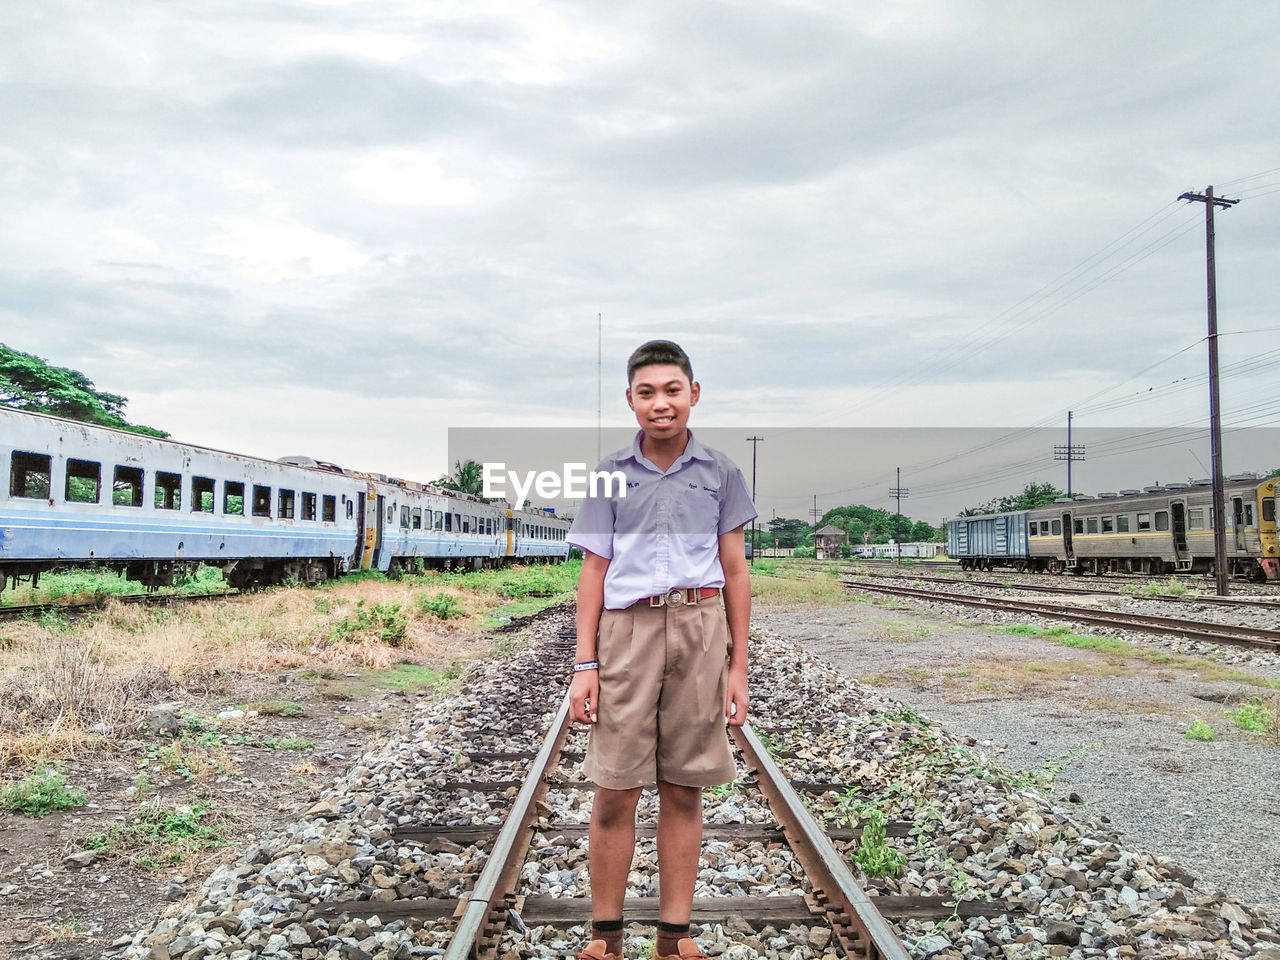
<point>679,597</point>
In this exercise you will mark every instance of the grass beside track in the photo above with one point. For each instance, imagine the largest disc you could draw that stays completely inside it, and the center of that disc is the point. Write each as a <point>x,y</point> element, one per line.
<point>67,687</point>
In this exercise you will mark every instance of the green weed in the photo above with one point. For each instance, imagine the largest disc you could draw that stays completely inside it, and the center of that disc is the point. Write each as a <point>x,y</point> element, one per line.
<point>384,621</point>
<point>875,856</point>
<point>41,792</point>
<point>1200,730</point>
<point>442,605</point>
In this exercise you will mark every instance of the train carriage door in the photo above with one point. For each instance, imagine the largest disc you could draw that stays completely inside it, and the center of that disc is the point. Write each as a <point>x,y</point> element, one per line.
<point>370,524</point>
<point>1066,539</point>
<point>1237,515</point>
<point>1179,509</point>
<point>377,530</point>
<point>510,535</point>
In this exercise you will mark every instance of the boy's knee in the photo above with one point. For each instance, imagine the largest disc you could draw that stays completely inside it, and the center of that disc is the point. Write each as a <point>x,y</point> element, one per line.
<point>678,796</point>
<point>614,806</point>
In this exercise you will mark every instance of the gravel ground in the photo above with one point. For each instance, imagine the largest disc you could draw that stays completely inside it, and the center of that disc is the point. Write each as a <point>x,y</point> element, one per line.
<point>1116,727</point>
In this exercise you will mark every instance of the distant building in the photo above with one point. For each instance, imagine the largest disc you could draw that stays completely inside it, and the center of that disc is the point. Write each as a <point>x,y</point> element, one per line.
<point>827,542</point>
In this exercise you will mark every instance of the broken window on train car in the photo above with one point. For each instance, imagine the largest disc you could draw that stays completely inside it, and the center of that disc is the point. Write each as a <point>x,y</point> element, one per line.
<point>329,508</point>
<point>233,498</point>
<point>201,495</point>
<point>284,505</point>
<point>1195,518</point>
<point>308,506</point>
<point>416,520</point>
<point>29,475</point>
<point>1162,519</point>
<point>1108,524</point>
<point>126,487</point>
<point>1144,521</point>
<point>84,481</point>
<point>168,490</point>
<point>261,501</point>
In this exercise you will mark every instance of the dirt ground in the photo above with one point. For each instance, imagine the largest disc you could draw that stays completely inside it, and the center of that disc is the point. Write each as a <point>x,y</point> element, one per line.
<point>261,773</point>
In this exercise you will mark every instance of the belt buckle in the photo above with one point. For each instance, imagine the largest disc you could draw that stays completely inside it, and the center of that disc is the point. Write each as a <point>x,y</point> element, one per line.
<point>674,597</point>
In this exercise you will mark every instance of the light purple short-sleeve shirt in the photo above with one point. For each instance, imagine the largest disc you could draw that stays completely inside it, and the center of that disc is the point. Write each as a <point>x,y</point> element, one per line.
<point>665,532</point>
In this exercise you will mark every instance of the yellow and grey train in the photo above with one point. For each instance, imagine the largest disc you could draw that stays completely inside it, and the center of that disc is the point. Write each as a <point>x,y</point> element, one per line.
<point>1157,530</point>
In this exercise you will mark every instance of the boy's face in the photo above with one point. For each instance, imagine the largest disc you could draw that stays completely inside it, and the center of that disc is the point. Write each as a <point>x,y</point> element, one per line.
<point>661,396</point>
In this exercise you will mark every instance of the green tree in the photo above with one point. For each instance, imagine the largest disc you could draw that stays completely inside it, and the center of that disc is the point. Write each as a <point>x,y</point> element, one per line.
<point>1274,473</point>
<point>789,533</point>
<point>467,476</point>
<point>1032,495</point>
<point>28,382</point>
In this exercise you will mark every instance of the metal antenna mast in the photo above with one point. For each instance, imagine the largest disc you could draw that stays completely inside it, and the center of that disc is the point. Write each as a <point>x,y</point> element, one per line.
<point>899,492</point>
<point>1068,452</point>
<point>1215,414</point>
<point>754,441</point>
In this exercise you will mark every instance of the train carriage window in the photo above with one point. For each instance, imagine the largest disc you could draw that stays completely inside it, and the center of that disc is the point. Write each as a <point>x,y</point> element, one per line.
<point>284,505</point>
<point>168,490</point>
<point>201,495</point>
<point>84,481</point>
<point>1108,524</point>
<point>126,487</point>
<point>308,506</point>
<point>448,523</point>
<point>466,524</point>
<point>329,508</point>
<point>391,514</point>
<point>404,517</point>
<point>261,501</point>
<point>1093,524</point>
<point>1122,523</point>
<point>415,520</point>
<point>1248,514</point>
<point>29,475</point>
<point>1162,519</point>
<point>1144,521</point>
<point>1056,527</point>
<point>1079,525</point>
<point>351,510</point>
<point>457,522</point>
<point>233,499</point>
<point>1195,518</point>
<point>439,521</point>
<point>1269,509</point>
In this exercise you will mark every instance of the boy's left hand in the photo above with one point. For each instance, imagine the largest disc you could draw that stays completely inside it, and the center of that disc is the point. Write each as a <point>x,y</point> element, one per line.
<point>735,701</point>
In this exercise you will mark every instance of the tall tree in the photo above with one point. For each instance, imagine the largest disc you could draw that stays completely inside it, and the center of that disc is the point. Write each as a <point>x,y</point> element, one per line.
<point>1032,495</point>
<point>467,476</point>
<point>28,382</point>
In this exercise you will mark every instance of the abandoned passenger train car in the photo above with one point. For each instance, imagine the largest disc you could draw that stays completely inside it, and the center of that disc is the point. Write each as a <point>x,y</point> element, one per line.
<point>1157,530</point>
<point>80,494</point>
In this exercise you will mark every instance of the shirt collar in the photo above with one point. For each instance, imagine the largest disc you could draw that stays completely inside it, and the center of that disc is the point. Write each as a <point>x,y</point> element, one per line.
<point>693,450</point>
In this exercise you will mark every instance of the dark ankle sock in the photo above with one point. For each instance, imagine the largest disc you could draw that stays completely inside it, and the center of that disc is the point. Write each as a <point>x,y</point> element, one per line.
<point>669,937</point>
<point>610,931</point>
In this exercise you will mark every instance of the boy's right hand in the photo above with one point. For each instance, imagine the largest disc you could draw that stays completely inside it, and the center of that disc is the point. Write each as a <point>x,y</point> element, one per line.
<point>584,694</point>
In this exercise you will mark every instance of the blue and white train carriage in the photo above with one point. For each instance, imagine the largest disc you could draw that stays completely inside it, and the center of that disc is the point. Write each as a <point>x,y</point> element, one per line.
<point>86,495</point>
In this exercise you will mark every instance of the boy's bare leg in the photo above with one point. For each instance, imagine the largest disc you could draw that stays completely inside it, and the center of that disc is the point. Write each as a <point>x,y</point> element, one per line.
<point>613,847</point>
<point>679,845</point>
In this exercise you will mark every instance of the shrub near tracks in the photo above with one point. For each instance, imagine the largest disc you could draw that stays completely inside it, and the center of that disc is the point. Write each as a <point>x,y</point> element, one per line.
<point>975,831</point>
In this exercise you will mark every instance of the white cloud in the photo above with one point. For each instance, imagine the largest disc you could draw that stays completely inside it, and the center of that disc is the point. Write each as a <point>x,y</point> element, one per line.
<point>407,178</point>
<point>272,251</point>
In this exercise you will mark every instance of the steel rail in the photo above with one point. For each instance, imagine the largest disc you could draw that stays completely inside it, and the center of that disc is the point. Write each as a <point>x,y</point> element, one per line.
<point>497,880</point>
<point>1213,633</point>
<point>857,923</point>
<point>1234,601</point>
<point>19,610</point>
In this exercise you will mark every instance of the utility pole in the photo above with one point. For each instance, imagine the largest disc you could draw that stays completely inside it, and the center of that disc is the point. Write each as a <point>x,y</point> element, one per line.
<point>599,381</point>
<point>899,492</point>
<point>753,441</point>
<point>1215,414</point>
<point>1068,452</point>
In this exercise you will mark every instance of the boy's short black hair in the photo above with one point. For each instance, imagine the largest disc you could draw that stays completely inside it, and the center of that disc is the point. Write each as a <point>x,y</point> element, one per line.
<point>663,352</point>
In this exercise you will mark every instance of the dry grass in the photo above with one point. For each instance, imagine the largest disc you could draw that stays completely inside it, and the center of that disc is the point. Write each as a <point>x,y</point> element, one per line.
<point>62,684</point>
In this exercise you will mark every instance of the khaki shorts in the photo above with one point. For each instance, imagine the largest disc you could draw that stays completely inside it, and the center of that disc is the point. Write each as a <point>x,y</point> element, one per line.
<point>663,677</point>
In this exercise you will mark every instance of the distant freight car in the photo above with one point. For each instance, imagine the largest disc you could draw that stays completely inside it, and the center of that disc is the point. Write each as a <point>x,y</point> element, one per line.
<point>82,495</point>
<point>1158,530</point>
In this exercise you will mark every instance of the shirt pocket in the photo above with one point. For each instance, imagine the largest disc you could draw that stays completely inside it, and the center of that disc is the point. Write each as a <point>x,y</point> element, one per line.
<point>696,511</point>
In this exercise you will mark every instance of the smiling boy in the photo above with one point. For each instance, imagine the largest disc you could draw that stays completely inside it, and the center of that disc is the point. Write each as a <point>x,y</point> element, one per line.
<point>664,601</point>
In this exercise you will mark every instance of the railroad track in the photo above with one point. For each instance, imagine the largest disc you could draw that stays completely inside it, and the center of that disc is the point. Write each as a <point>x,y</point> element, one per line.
<point>18,611</point>
<point>497,903</point>
<point>1253,637</point>
<point>1212,600</point>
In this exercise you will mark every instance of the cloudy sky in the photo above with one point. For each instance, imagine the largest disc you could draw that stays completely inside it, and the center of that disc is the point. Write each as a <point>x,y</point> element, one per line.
<point>340,228</point>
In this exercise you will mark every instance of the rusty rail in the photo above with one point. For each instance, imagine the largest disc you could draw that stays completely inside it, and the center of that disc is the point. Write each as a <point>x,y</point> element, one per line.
<point>856,922</point>
<point>1255,637</point>
<point>480,920</point>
